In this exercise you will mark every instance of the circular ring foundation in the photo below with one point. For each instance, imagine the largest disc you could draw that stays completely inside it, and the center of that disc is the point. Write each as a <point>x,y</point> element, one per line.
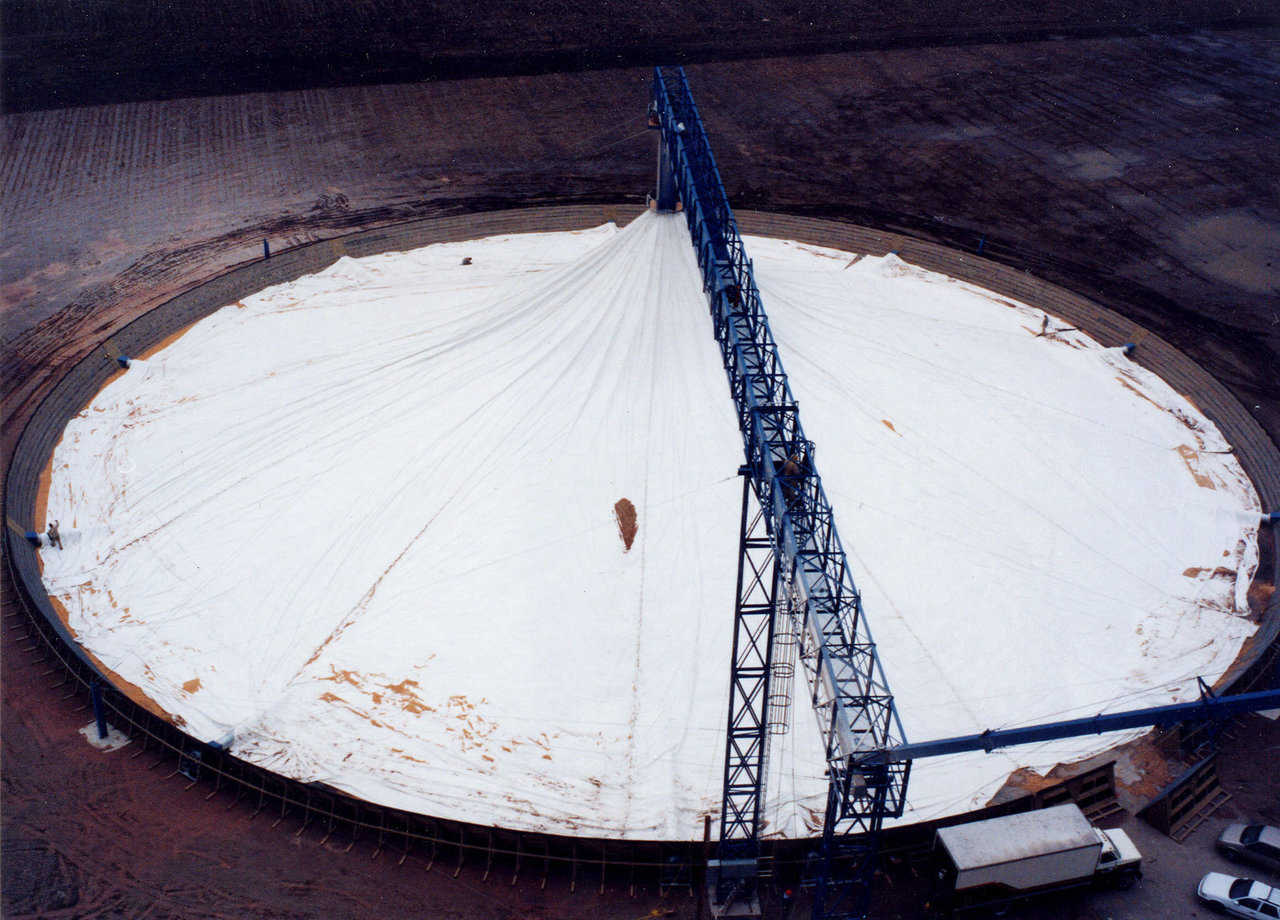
<point>312,802</point>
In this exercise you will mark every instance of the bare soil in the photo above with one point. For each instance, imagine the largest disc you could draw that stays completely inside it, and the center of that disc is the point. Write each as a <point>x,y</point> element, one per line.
<point>66,53</point>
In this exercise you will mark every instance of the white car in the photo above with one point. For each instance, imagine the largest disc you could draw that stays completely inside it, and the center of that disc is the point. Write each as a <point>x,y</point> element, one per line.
<point>1241,897</point>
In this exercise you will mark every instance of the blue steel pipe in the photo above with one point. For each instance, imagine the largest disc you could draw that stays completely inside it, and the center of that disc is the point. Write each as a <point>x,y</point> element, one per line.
<point>1210,707</point>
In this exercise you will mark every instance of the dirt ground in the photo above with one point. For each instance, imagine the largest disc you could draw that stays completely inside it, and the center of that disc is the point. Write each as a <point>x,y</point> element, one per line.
<point>67,52</point>
<point>1139,169</point>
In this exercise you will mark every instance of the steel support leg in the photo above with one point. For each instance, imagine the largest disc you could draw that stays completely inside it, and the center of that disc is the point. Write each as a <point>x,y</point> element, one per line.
<point>99,713</point>
<point>665,194</point>
<point>733,874</point>
<point>850,846</point>
<point>666,184</point>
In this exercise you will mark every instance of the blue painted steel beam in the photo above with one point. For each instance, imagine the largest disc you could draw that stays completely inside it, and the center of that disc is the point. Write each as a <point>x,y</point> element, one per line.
<point>848,688</point>
<point>1210,707</point>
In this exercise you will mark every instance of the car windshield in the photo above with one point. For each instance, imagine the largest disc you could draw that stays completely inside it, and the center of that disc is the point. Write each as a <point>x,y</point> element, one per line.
<point>1240,887</point>
<point>1251,834</point>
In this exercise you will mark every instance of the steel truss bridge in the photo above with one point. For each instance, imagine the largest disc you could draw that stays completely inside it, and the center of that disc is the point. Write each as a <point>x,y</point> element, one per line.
<point>795,593</point>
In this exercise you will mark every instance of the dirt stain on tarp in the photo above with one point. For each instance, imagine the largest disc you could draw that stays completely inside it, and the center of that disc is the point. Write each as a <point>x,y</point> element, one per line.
<point>1219,572</point>
<point>343,676</point>
<point>625,514</point>
<point>410,702</point>
<point>1191,457</point>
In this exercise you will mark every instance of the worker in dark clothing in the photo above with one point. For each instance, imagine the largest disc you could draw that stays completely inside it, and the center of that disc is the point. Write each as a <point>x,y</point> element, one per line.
<point>791,470</point>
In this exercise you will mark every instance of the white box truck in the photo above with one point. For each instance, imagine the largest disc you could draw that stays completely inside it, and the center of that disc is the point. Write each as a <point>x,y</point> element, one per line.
<point>1002,860</point>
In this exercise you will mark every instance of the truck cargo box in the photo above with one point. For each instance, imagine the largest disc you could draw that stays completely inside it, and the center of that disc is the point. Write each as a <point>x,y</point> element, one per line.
<point>1022,852</point>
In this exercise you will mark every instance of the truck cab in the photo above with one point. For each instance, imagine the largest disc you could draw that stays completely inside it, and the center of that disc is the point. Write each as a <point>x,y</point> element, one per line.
<point>1119,862</point>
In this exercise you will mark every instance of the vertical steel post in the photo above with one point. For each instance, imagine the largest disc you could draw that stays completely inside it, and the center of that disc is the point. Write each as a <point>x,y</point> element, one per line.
<point>99,714</point>
<point>736,867</point>
<point>665,185</point>
<point>850,846</point>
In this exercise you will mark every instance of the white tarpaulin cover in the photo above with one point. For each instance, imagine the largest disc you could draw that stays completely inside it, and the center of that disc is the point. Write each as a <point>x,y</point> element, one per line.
<point>367,523</point>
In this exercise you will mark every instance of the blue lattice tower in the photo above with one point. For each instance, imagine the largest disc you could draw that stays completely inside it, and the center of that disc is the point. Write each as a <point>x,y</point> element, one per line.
<point>848,689</point>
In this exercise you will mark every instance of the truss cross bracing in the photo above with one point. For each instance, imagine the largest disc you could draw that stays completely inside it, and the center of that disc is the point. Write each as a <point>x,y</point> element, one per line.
<point>749,681</point>
<point>848,689</point>
<point>751,676</point>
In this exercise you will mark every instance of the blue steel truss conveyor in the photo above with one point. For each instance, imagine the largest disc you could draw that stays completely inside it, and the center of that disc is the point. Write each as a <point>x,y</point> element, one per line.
<point>848,688</point>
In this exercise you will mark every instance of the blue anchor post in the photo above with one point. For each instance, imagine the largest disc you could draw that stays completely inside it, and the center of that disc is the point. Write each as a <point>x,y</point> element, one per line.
<point>99,713</point>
